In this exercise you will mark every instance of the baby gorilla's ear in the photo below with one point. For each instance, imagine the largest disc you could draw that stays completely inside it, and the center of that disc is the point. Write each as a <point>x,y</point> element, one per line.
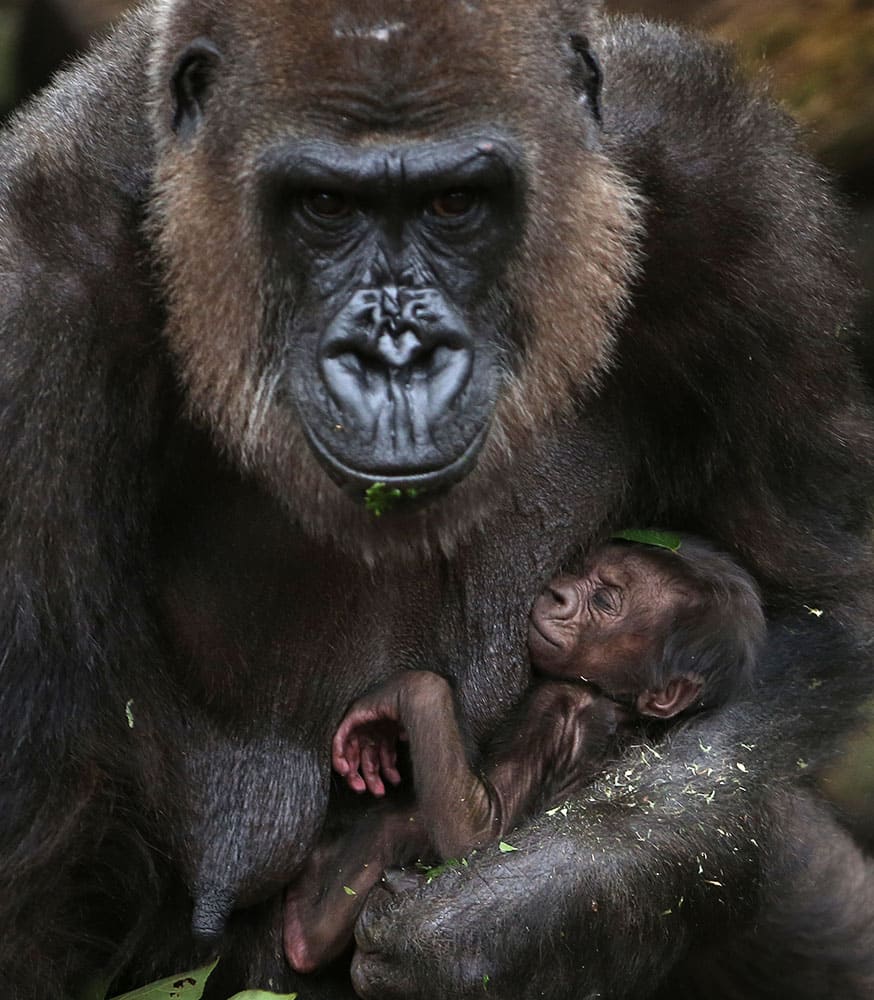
<point>680,693</point>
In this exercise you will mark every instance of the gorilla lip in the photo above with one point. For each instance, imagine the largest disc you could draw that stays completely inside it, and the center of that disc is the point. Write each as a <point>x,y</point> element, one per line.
<point>430,481</point>
<point>535,632</point>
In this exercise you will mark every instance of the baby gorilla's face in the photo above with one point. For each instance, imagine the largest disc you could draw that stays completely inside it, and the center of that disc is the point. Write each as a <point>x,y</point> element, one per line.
<point>600,626</point>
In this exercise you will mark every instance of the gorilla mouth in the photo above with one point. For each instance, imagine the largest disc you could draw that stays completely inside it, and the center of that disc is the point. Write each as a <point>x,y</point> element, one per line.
<point>404,395</point>
<point>537,633</point>
<point>427,479</point>
<point>548,653</point>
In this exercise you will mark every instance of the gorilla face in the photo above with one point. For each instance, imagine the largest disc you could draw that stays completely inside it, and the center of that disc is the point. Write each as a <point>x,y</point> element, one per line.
<point>380,269</point>
<point>394,350</point>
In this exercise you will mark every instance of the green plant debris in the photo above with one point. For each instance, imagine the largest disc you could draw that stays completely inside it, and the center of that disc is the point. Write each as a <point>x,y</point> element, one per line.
<point>435,871</point>
<point>661,539</point>
<point>379,498</point>
<point>486,980</point>
<point>505,848</point>
<point>129,713</point>
<point>184,986</point>
<point>349,890</point>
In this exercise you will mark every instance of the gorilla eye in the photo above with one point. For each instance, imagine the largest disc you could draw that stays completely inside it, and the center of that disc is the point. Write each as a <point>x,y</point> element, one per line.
<point>327,205</point>
<point>453,204</point>
<point>605,600</point>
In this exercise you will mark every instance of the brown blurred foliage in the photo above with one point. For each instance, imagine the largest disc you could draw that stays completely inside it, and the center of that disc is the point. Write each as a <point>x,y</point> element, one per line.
<point>819,55</point>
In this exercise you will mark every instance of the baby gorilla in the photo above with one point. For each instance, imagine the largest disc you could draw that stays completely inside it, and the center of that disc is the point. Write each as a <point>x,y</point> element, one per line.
<point>644,633</point>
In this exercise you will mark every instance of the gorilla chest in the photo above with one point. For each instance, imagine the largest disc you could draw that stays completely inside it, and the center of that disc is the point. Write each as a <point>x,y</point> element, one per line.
<point>260,622</point>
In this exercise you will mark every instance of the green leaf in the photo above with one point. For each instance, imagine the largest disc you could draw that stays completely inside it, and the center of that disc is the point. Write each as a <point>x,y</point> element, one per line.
<point>349,890</point>
<point>379,499</point>
<point>435,871</point>
<point>185,986</point>
<point>505,848</point>
<point>189,986</point>
<point>661,539</point>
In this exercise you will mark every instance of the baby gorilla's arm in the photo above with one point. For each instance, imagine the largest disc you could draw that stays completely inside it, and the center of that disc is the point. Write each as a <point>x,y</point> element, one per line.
<point>321,906</point>
<point>553,743</point>
<point>457,807</point>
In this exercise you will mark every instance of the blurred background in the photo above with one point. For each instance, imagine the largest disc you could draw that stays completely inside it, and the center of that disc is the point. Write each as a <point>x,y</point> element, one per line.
<point>818,56</point>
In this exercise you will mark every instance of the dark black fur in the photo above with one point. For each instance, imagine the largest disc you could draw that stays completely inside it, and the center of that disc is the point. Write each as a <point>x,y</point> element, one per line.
<point>177,651</point>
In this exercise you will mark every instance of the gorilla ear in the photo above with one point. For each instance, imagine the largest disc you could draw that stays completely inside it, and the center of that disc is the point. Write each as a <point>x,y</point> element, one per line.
<point>586,75</point>
<point>190,84</point>
<point>679,694</point>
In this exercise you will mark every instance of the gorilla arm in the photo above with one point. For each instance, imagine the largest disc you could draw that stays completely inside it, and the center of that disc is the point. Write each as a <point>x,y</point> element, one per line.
<point>74,296</point>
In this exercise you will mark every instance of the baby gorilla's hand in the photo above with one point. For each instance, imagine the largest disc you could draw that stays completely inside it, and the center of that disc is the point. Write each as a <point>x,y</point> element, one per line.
<point>365,754</point>
<point>364,749</point>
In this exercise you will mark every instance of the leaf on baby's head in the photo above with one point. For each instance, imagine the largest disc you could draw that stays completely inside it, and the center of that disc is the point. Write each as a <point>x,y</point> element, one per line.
<point>660,539</point>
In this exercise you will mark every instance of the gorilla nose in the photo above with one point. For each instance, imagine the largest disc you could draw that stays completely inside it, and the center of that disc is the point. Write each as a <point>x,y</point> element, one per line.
<point>395,330</point>
<point>560,601</point>
<point>385,356</point>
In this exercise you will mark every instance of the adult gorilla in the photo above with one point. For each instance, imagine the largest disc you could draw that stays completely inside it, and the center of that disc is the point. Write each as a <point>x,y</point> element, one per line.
<point>258,258</point>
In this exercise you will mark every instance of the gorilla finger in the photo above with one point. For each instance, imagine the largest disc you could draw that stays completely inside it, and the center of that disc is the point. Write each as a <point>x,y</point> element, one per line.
<point>370,762</point>
<point>388,760</point>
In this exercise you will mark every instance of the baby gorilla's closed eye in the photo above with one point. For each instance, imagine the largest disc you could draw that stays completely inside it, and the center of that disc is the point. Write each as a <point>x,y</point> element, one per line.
<point>607,600</point>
